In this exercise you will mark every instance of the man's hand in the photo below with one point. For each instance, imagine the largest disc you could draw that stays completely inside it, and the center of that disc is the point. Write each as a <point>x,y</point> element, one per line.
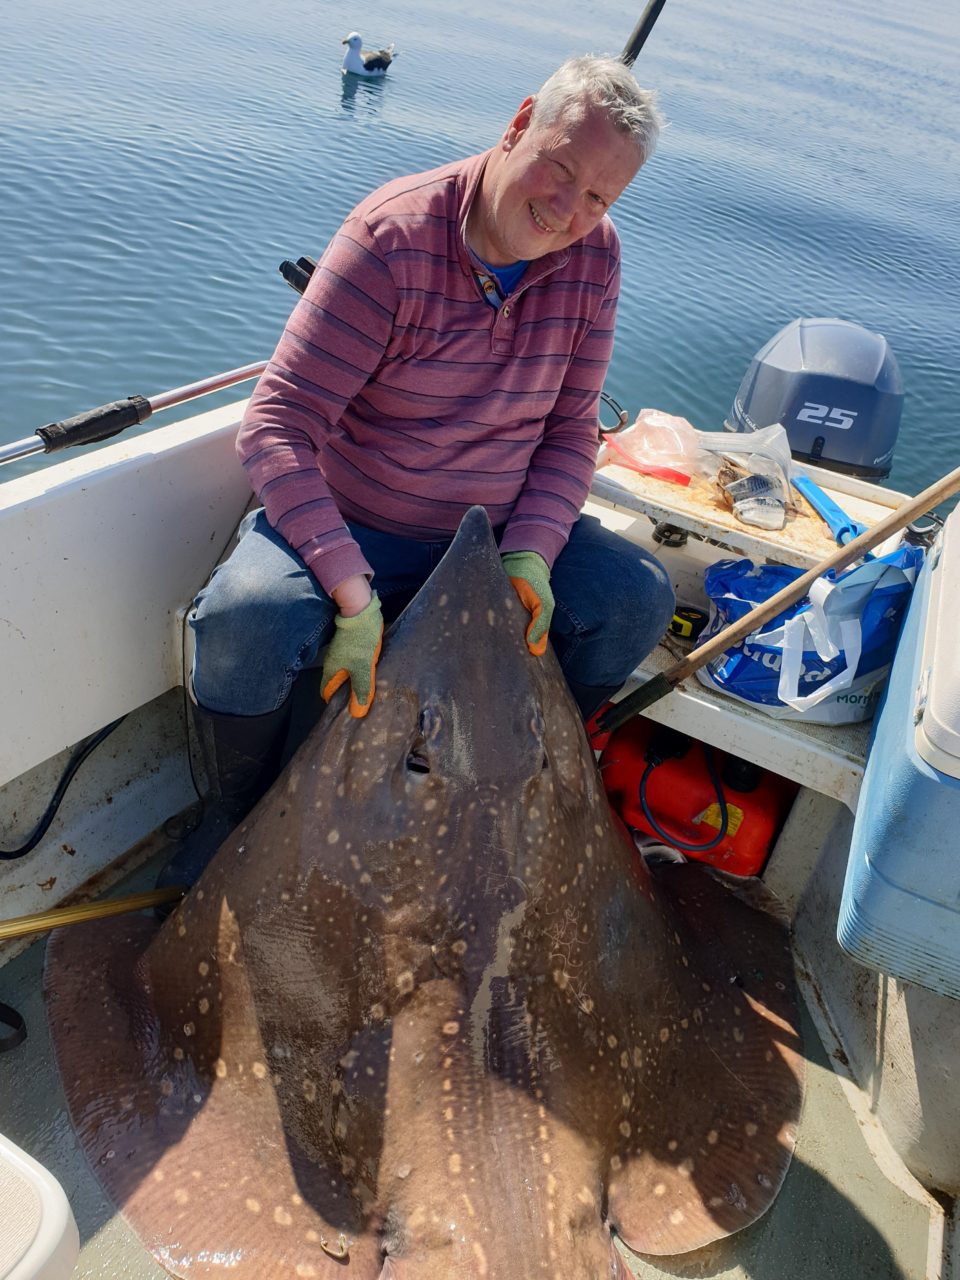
<point>352,655</point>
<point>530,576</point>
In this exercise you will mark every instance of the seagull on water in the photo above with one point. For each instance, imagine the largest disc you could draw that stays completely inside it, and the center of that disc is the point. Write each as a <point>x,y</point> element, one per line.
<point>365,62</point>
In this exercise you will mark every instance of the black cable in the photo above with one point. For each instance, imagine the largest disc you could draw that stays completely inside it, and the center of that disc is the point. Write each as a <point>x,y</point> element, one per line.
<point>76,760</point>
<point>622,416</point>
<point>721,801</point>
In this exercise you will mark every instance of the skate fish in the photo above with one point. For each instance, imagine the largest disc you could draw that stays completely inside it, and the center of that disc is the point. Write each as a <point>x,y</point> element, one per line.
<point>427,1015</point>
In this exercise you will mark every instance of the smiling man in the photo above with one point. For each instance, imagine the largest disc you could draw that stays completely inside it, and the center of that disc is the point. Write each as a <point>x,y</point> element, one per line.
<point>559,167</point>
<point>449,351</point>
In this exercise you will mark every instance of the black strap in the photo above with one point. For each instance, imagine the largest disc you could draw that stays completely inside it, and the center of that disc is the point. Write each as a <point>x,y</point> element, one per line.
<point>10,1018</point>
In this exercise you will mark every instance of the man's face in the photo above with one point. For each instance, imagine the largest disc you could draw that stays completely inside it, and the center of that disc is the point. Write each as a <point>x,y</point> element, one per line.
<point>549,185</point>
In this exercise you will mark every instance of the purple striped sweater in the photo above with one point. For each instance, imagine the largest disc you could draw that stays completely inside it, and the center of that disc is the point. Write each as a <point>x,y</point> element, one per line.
<point>398,397</point>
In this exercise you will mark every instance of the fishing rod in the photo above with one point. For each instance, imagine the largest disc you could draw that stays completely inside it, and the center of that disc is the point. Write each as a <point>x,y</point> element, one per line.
<point>638,37</point>
<point>13,1028</point>
<point>108,420</point>
<point>58,917</point>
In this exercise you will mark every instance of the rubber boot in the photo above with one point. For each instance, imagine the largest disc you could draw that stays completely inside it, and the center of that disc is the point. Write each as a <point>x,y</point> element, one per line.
<point>241,755</point>
<point>590,698</point>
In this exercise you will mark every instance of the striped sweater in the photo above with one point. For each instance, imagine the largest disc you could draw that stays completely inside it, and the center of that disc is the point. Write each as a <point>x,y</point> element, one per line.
<point>398,397</point>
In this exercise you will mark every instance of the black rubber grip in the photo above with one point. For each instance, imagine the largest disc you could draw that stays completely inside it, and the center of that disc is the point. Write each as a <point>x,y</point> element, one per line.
<point>656,687</point>
<point>96,424</point>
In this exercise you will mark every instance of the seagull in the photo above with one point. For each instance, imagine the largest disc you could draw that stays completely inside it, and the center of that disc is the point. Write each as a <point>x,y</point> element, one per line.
<point>365,62</point>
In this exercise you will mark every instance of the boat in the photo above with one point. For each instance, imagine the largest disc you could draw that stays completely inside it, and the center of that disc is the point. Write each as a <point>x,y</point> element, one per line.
<point>100,556</point>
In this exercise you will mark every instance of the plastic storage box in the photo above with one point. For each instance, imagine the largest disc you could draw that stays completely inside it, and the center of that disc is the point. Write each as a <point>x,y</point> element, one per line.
<point>900,911</point>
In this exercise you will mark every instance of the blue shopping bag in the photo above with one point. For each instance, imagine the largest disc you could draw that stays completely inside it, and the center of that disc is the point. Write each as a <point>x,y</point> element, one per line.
<point>825,658</point>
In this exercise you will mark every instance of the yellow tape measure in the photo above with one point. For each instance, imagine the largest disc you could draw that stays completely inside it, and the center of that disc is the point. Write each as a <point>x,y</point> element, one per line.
<point>687,622</point>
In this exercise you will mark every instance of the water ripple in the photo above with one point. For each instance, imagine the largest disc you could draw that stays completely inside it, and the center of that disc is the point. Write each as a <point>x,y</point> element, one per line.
<point>160,161</point>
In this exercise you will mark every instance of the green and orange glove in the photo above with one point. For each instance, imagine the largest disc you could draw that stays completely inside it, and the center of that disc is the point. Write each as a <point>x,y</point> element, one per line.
<point>352,655</point>
<point>530,575</point>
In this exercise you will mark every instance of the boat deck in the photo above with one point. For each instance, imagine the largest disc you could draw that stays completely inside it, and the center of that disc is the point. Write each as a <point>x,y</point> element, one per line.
<point>839,1214</point>
<point>836,1215</point>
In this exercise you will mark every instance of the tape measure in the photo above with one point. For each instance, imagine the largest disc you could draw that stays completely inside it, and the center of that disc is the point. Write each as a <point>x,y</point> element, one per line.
<point>687,622</point>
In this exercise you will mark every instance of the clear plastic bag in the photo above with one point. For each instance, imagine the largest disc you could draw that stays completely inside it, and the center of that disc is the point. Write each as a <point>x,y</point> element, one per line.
<point>755,491</point>
<point>656,444</point>
<point>752,469</point>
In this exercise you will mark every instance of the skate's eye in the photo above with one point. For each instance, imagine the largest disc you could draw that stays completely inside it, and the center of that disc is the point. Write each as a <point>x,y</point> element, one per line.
<point>428,726</point>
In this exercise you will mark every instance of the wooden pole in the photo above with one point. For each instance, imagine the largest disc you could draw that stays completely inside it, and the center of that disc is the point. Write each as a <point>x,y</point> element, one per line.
<point>656,688</point>
<point>42,921</point>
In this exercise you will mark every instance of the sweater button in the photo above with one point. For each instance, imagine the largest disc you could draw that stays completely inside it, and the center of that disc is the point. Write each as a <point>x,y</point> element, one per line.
<point>505,309</point>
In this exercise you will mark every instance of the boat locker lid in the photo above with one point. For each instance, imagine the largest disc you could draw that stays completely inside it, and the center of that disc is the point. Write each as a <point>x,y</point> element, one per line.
<point>938,733</point>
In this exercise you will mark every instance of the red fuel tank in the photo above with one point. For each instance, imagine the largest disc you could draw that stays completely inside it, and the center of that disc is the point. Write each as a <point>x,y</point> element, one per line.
<point>658,778</point>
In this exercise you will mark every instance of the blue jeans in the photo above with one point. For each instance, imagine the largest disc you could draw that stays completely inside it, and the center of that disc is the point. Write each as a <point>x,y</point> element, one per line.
<point>263,617</point>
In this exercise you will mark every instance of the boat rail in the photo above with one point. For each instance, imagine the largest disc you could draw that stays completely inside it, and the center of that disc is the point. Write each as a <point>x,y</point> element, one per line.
<point>110,419</point>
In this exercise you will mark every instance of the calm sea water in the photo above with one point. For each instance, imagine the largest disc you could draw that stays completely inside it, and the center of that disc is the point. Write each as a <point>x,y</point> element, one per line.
<point>159,160</point>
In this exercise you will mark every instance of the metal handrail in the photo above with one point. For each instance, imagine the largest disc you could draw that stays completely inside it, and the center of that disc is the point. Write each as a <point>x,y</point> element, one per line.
<point>110,419</point>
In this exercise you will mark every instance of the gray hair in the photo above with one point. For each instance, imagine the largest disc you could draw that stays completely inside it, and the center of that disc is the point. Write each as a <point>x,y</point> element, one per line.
<point>606,83</point>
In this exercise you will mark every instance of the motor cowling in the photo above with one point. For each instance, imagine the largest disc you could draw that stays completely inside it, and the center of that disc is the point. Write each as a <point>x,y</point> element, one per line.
<point>836,389</point>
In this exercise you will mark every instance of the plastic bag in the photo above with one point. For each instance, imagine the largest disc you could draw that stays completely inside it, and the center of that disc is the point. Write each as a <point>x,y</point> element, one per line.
<point>769,443</point>
<point>755,491</point>
<point>824,659</point>
<point>656,444</point>
<point>753,471</point>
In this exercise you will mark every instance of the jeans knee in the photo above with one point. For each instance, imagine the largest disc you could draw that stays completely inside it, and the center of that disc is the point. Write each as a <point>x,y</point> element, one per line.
<point>250,645</point>
<point>647,604</point>
<point>656,598</point>
<point>629,608</point>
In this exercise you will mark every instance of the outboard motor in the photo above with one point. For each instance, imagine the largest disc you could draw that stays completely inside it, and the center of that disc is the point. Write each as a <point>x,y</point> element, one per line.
<point>836,389</point>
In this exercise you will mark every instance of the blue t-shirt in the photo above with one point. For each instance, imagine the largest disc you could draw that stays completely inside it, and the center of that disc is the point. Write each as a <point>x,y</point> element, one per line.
<point>500,280</point>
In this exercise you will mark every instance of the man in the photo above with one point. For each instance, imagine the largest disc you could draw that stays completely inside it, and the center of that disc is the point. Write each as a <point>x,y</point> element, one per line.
<point>449,351</point>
